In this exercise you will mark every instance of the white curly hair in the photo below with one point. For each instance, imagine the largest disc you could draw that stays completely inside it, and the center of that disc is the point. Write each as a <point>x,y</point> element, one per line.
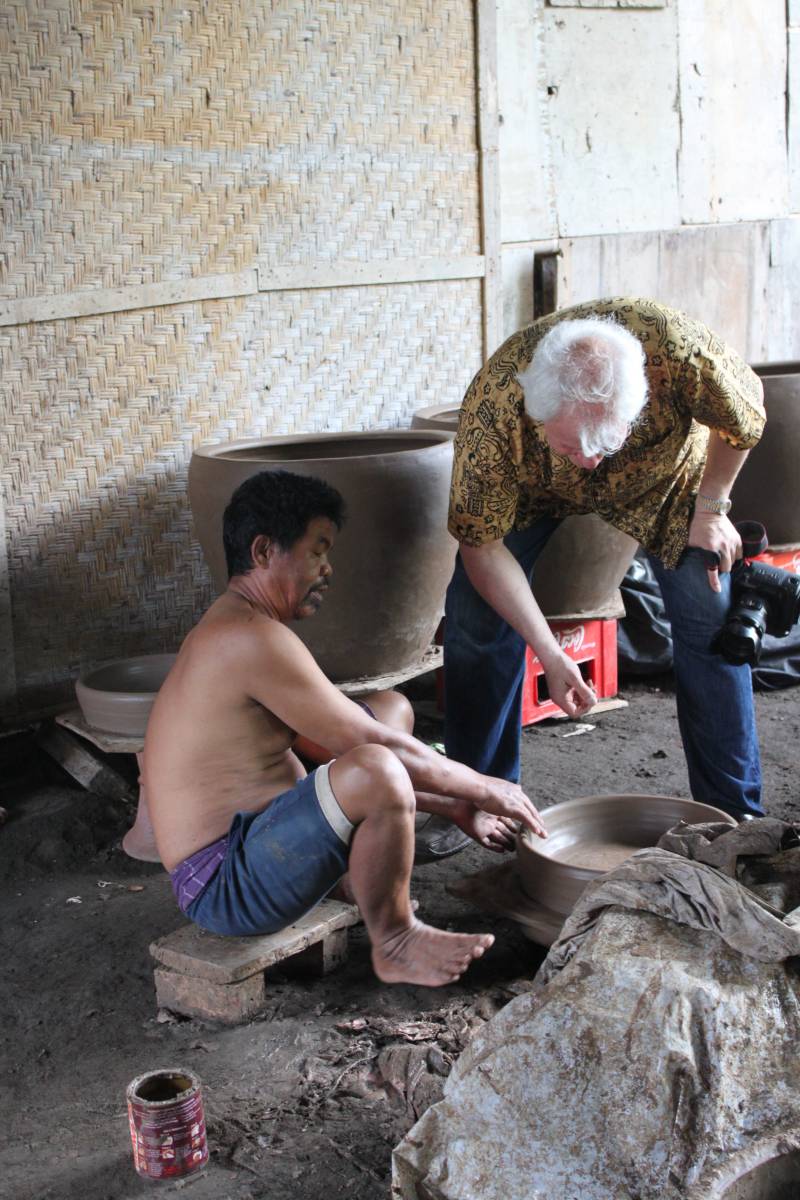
<point>591,368</point>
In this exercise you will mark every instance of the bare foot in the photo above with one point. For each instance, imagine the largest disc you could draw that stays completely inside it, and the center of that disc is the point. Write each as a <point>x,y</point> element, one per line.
<point>422,954</point>
<point>495,833</point>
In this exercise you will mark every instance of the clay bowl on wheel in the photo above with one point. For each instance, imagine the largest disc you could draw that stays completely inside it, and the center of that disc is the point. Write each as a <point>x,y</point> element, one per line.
<point>117,697</point>
<point>593,834</point>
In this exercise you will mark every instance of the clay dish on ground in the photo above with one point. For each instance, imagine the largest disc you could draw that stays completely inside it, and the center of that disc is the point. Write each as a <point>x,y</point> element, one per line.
<point>593,834</point>
<point>117,697</point>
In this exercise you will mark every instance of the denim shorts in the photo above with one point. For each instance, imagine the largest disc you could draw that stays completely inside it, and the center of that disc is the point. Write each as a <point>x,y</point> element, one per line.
<point>279,862</point>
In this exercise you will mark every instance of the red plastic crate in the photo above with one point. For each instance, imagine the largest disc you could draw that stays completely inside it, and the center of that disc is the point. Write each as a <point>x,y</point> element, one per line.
<point>592,644</point>
<point>788,558</point>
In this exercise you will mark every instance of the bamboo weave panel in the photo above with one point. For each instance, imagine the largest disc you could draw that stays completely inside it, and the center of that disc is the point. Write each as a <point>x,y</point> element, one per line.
<point>103,414</point>
<point>148,143</point>
<point>145,142</point>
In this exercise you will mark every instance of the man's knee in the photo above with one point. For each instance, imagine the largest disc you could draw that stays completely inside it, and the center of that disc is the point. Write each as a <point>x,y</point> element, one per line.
<point>377,771</point>
<point>393,709</point>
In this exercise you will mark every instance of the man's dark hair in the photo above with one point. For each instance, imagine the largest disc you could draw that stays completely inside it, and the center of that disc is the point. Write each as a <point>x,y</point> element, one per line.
<point>279,505</point>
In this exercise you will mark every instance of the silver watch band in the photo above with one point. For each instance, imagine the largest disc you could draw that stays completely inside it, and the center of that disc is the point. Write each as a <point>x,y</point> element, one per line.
<point>713,504</point>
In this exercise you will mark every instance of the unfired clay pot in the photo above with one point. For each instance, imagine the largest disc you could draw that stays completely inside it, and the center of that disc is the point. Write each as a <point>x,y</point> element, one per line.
<point>579,571</point>
<point>117,697</point>
<point>394,557</point>
<point>768,486</point>
<point>593,834</point>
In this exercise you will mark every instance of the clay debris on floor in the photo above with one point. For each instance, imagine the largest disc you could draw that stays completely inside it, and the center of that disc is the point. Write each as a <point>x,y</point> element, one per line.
<point>309,1099</point>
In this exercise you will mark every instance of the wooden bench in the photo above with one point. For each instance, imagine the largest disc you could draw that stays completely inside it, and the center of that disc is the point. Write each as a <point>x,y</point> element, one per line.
<point>199,974</point>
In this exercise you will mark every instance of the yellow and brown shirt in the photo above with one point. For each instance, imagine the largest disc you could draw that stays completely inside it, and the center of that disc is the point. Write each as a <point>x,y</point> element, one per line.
<point>505,476</point>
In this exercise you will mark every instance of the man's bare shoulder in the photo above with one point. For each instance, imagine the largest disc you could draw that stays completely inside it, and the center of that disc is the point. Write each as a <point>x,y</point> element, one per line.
<point>233,627</point>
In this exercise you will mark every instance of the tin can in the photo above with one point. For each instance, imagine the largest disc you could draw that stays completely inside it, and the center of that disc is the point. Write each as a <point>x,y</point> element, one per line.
<point>167,1124</point>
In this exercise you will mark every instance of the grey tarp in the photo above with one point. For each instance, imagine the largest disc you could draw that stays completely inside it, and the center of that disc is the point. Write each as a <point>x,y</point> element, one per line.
<point>660,1036</point>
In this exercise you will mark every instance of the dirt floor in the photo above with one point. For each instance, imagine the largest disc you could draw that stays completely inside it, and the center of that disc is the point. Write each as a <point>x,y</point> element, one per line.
<point>309,1099</point>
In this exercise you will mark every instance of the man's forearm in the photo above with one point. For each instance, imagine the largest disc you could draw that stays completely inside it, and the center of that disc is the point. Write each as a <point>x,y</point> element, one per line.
<point>499,579</point>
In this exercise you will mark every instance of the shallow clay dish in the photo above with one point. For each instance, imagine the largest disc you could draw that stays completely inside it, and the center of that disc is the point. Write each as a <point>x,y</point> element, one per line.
<point>593,834</point>
<point>118,696</point>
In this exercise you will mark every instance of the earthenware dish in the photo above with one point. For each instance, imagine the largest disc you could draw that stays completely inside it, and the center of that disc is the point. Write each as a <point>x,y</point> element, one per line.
<point>117,696</point>
<point>593,834</point>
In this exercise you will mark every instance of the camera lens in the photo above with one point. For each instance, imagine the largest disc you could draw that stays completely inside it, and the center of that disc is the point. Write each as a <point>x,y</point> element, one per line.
<point>741,637</point>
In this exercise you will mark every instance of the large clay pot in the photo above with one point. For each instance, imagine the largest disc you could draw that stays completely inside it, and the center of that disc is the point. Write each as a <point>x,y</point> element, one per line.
<point>768,486</point>
<point>593,834</point>
<point>393,559</point>
<point>579,572</point>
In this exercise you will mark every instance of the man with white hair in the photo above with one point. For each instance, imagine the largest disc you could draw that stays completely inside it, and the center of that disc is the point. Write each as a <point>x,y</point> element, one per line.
<point>638,413</point>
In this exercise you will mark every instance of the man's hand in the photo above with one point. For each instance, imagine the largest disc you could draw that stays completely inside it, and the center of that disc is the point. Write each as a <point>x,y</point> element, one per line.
<point>713,532</point>
<point>567,686</point>
<point>504,799</point>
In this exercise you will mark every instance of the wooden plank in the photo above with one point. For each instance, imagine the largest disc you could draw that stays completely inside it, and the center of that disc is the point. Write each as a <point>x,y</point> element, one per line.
<point>82,765</point>
<point>192,951</point>
<point>355,274</point>
<point>488,146</point>
<point>108,300</point>
<point>109,743</point>
<point>243,283</point>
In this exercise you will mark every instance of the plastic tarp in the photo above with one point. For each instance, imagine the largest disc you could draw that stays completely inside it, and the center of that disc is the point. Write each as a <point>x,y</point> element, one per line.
<point>659,1038</point>
<point>644,636</point>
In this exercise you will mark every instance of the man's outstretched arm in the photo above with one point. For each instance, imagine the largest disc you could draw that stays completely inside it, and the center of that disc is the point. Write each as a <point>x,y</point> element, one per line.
<point>499,579</point>
<point>285,679</point>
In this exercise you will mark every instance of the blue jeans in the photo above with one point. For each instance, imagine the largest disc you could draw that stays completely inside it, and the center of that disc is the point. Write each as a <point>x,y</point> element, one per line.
<point>484,666</point>
<point>280,862</point>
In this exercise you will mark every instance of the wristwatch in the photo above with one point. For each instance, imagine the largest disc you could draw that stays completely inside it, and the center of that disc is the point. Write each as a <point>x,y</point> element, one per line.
<point>710,505</point>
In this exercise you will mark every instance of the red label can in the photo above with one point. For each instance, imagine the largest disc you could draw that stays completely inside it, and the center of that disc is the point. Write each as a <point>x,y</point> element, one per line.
<point>167,1123</point>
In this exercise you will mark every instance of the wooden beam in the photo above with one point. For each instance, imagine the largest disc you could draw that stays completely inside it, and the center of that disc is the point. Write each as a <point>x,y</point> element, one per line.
<point>244,283</point>
<point>488,146</point>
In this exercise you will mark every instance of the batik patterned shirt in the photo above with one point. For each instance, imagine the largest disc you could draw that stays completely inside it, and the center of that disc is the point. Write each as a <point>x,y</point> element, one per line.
<point>505,476</point>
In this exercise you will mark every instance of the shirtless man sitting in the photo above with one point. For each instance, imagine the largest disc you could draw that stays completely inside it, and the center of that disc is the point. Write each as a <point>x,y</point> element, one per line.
<point>250,840</point>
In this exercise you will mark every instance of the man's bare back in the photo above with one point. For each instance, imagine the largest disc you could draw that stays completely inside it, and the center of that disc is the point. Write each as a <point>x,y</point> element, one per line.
<point>212,749</point>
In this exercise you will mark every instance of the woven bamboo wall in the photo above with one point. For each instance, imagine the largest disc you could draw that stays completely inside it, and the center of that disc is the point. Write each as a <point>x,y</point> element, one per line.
<point>145,144</point>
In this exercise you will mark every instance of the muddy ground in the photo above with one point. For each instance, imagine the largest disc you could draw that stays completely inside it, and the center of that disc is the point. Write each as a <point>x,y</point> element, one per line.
<point>309,1099</point>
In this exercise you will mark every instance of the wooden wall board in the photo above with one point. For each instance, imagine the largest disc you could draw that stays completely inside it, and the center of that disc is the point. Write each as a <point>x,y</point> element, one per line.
<point>488,135</point>
<point>527,201</point>
<point>717,273</point>
<point>732,157</point>
<point>793,116</point>
<point>614,129</point>
<point>782,301</point>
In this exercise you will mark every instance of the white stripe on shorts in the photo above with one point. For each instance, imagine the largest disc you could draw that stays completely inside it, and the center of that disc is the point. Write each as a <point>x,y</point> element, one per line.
<point>339,823</point>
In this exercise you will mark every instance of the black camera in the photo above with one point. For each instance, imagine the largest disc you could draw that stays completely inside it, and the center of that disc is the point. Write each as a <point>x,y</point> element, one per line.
<point>764,600</point>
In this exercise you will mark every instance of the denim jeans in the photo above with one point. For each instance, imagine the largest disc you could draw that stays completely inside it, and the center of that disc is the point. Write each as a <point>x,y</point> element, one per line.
<point>484,666</point>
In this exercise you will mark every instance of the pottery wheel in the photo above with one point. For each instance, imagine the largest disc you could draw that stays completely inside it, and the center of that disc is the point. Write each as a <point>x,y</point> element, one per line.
<point>498,890</point>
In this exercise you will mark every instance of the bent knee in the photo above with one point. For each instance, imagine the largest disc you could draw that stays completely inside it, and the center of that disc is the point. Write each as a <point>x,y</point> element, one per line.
<point>392,708</point>
<point>379,770</point>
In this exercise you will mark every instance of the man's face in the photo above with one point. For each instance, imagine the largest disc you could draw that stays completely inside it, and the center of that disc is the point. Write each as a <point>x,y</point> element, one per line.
<point>563,437</point>
<point>302,573</point>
